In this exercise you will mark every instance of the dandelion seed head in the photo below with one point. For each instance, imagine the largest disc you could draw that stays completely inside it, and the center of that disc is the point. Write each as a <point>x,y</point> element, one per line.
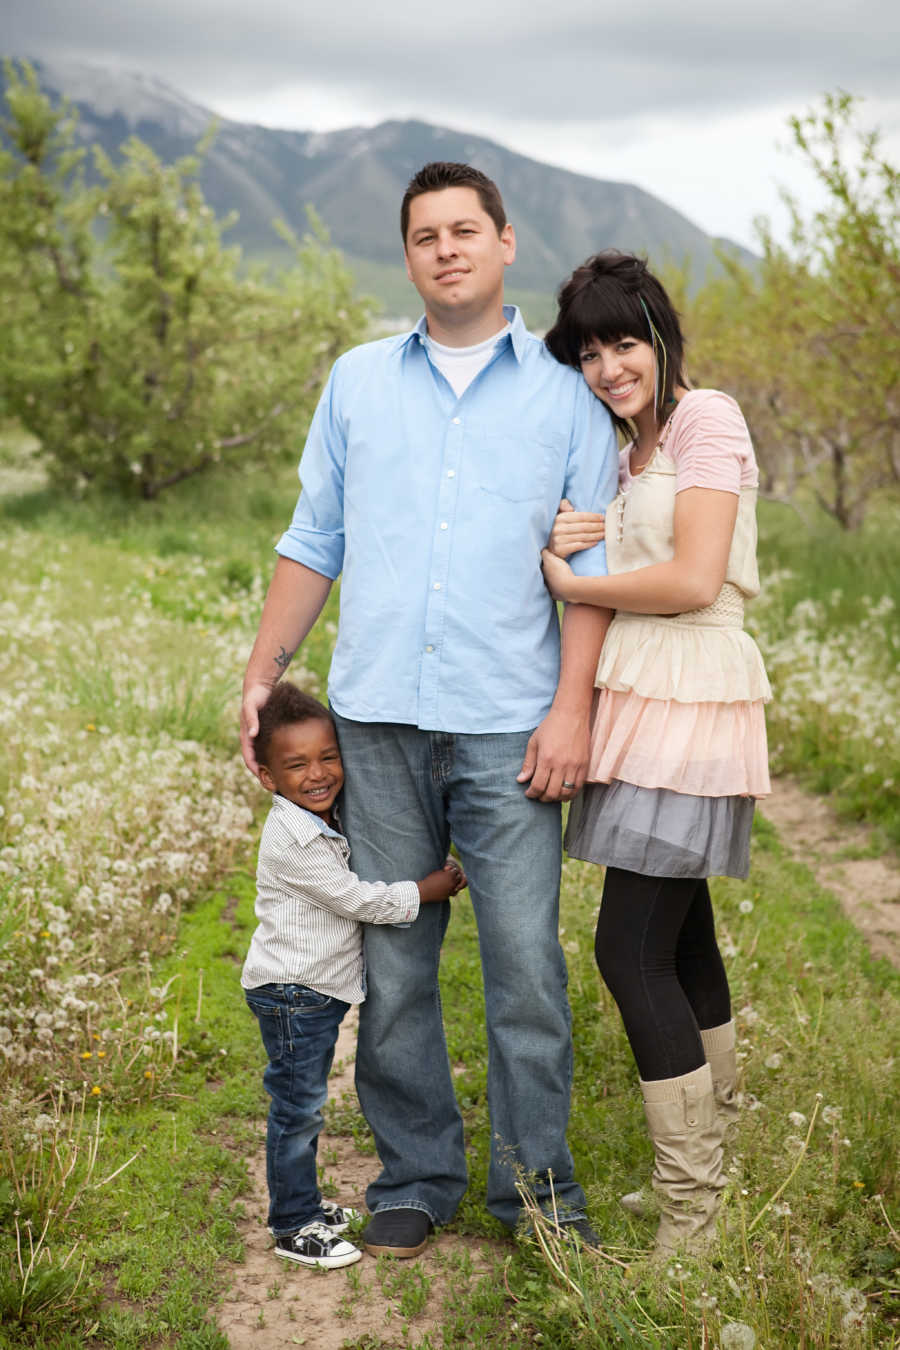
<point>737,1336</point>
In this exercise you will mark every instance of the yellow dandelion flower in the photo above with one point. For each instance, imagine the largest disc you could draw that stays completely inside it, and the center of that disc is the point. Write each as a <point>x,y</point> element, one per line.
<point>860,1185</point>
<point>95,1036</point>
<point>148,1073</point>
<point>45,932</point>
<point>95,1091</point>
<point>90,727</point>
<point>87,1054</point>
<point>101,1054</point>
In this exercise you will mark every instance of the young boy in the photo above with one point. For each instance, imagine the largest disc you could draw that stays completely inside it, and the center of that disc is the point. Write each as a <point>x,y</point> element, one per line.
<point>305,963</point>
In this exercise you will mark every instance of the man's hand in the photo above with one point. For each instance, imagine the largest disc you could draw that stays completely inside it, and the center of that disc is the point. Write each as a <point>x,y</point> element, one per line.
<point>255,695</point>
<point>556,757</point>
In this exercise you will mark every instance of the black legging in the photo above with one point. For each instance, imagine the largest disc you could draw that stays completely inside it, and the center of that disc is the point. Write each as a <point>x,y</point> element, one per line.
<point>657,952</point>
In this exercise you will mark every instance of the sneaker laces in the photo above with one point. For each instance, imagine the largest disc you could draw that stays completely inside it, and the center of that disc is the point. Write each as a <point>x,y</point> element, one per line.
<point>319,1230</point>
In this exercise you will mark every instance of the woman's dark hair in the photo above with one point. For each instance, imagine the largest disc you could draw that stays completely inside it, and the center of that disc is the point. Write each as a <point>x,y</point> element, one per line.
<point>285,704</point>
<point>615,295</point>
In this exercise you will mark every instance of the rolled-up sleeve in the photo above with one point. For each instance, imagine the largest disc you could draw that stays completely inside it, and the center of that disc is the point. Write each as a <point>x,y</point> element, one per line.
<point>315,536</point>
<point>592,475</point>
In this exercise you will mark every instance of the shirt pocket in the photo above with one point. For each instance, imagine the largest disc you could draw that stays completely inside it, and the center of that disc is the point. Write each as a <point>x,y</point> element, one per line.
<point>514,468</point>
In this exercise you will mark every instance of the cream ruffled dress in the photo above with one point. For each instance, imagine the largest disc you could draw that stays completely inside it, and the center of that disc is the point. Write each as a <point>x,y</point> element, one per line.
<point>678,747</point>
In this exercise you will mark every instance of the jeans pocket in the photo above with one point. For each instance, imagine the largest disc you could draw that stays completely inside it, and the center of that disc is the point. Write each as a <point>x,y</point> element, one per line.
<point>303,1000</point>
<point>271,1026</point>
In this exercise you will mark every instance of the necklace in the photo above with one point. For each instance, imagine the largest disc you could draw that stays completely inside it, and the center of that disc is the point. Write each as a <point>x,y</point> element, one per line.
<point>620,514</point>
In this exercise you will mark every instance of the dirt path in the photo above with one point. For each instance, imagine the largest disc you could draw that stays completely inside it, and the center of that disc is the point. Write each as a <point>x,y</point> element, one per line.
<point>834,850</point>
<point>272,1303</point>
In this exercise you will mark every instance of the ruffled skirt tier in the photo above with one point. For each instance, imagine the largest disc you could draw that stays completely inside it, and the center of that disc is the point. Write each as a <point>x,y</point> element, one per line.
<point>708,749</point>
<point>682,658</point>
<point>659,833</point>
<point>679,706</point>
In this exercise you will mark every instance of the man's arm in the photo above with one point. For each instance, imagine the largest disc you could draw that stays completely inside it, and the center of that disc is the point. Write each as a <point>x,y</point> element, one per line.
<point>293,603</point>
<point>558,750</point>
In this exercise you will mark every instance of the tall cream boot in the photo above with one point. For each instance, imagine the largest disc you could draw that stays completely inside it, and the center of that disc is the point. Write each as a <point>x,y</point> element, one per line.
<point>719,1048</point>
<point>687,1136</point>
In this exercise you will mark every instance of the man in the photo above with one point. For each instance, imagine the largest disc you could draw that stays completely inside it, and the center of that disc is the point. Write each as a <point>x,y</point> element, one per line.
<point>431,476</point>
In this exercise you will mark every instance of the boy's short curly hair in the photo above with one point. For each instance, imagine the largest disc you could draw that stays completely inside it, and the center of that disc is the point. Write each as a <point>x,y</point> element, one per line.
<point>285,704</point>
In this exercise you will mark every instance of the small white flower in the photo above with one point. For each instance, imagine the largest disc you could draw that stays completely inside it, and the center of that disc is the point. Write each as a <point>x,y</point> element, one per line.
<point>746,907</point>
<point>773,1062</point>
<point>797,1119</point>
<point>737,1336</point>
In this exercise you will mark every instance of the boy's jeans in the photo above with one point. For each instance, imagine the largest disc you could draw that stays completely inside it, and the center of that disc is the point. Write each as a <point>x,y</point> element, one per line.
<point>407,793</point>
<point>299,1030</point>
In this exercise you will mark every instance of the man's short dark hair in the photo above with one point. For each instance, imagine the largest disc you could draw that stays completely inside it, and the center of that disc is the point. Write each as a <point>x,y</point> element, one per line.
<point>442,174</point>
<point>285,705</point>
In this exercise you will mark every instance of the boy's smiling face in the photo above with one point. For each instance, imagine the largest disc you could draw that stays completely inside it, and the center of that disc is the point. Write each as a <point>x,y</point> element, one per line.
<point>304,765</point>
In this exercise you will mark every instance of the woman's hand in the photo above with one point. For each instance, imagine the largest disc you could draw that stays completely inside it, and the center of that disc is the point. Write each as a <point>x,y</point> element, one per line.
<point>575,530</point>
<point>558,575</point>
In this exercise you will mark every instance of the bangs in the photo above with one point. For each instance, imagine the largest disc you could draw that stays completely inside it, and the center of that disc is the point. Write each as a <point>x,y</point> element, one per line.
<point>601,310</point>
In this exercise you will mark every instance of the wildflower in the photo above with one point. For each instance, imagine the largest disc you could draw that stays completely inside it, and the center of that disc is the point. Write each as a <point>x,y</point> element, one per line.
<point>87,1054</point>
<point>95,1091</point>
<point>825,1286</point>
<point>773,1062</point>
<point>797,1119</point>
<point>737,1336</point>
<point>746,907</point>
<point>831,1114</point>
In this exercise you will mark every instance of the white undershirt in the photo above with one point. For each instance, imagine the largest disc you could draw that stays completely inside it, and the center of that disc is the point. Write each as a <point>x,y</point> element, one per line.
<point>460,365</point>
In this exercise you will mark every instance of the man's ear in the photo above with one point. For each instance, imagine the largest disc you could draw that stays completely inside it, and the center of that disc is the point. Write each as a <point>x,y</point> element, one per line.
<point>508,240</point>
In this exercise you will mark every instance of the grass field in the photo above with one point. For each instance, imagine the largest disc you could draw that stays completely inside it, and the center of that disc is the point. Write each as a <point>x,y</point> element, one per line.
<point>130,1069</point>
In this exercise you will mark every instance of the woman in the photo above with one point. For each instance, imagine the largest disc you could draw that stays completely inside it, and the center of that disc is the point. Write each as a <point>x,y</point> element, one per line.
<point>678,750</point>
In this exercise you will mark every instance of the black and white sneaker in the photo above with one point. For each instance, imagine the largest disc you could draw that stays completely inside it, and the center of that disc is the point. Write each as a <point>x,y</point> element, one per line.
<point>317,1245</point>
<point>337,1217</point>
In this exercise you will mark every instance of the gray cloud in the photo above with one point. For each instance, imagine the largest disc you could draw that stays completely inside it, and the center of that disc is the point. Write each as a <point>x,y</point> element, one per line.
<point>572,62</point>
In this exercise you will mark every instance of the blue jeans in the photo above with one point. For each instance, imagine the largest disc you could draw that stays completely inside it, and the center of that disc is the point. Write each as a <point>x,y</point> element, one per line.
<point>406,794</point>
<point>299,1029</point>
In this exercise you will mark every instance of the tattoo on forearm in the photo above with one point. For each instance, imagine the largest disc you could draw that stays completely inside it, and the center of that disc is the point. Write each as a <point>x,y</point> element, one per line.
<point>283,659</point>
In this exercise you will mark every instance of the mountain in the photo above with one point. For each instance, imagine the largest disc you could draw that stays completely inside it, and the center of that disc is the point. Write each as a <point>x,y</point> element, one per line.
<point>355,179</point>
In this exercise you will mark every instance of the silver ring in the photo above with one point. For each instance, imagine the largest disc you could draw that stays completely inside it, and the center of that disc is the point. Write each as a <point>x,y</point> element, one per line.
<point>567,785</point>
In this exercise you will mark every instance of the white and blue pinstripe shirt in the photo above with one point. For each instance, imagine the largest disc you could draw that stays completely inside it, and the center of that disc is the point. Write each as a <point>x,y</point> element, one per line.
<point>310,907</point>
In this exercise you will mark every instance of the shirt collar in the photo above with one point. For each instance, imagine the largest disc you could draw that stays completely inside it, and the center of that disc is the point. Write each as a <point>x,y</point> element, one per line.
<point>312,820</point>
<point>517,335</point>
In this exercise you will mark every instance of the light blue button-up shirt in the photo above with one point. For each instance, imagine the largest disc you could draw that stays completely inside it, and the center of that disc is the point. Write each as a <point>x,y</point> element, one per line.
<point>435,509</point>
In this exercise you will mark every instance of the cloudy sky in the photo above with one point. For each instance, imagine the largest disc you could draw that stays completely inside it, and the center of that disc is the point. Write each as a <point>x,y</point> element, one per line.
<point>689,100</point>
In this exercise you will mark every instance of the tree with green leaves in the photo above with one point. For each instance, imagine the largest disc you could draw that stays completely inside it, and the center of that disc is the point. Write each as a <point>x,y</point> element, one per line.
<point>810,341</point>
<point>135,348</point>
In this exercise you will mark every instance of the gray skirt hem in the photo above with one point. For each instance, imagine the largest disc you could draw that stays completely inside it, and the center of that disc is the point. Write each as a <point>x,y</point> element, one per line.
<point>660,833</point>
